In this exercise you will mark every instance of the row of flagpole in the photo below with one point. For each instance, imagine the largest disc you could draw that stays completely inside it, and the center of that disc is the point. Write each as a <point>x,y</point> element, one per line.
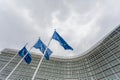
<point>22,60</point>
<point>44,49</point>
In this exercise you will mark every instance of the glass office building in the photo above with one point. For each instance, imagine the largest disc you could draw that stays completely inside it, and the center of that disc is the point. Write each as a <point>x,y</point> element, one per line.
<point>102,62</point>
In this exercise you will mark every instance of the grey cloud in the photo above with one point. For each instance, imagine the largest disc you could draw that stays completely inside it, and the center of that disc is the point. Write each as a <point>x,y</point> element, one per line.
<point>13,30</point>
<point>82,6</point>
<point>42,10</point>
<point>82,23</point>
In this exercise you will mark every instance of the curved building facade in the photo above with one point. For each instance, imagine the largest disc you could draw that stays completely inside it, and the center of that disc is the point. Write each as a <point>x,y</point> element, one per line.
<point>100,63</point>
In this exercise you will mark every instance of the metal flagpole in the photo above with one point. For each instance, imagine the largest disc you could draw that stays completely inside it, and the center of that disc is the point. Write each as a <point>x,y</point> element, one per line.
<point>41,60</point>
<point>17,65</point>
<point>8,62</point>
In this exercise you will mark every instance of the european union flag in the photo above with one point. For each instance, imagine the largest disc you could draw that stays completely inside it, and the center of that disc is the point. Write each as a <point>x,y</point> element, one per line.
<point>62,42</point>
<point>42,47</point>
<point>24,52</point>
<point>28,58</point>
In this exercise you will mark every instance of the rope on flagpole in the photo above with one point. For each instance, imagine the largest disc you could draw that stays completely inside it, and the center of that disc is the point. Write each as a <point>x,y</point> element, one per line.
<point>17,65</point>
<point>8,63</point>
<point>41,60</point>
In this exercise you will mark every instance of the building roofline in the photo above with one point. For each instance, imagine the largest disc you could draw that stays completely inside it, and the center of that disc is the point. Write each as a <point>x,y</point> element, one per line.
<point>76,57</point>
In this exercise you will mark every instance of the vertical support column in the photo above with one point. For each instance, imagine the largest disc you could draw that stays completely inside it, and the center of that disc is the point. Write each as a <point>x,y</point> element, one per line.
<point>108,62</point>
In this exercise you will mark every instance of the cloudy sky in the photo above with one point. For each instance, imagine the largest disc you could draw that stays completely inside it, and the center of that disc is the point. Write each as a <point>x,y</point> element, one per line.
<point>82,23</point>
